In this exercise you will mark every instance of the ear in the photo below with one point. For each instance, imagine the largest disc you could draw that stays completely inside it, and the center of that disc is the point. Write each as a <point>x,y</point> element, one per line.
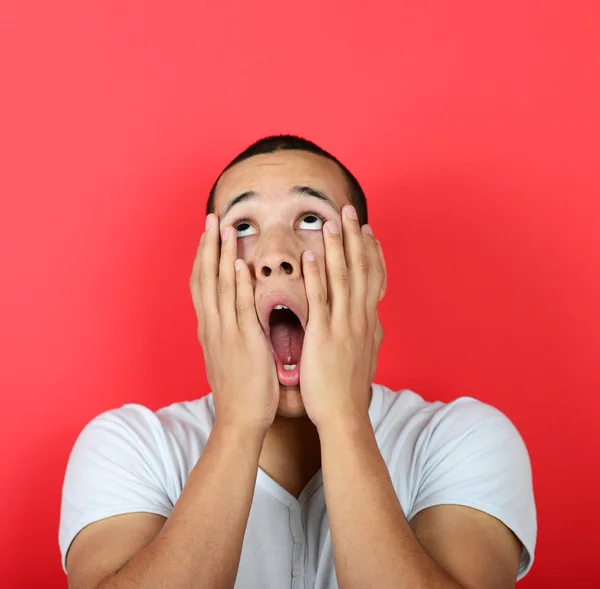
<point>384,285</point>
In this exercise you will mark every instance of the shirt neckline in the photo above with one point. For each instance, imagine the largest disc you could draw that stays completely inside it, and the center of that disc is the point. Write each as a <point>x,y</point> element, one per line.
<point>316,482</point>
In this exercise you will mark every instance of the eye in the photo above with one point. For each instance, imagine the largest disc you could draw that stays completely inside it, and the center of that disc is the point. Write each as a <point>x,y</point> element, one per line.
<point>244,228</point>
<point>312,221</point>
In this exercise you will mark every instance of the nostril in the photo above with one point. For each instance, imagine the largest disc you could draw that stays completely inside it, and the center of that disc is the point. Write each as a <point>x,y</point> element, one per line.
<point>287,267</point>
<point>266,271</point>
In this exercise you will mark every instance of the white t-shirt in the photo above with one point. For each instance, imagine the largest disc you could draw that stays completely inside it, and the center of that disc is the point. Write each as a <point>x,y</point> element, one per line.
<point>465,452</point>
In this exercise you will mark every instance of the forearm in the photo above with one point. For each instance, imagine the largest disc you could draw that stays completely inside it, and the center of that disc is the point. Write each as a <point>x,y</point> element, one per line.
<point>373,544</point>
<point>201,542</point>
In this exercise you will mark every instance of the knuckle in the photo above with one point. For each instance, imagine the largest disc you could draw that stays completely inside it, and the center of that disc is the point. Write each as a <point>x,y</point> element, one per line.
<point>243,304</point>
<point>360,322</point>
<point>363,266</point>
<point>223,287</point>
<point>340,275</point>
<point>321,298</point>
<point>198,307</point>
<point>202,279</point>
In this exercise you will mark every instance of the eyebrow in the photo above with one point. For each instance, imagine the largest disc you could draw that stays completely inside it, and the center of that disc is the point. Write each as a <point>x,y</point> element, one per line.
<point>300,190</point>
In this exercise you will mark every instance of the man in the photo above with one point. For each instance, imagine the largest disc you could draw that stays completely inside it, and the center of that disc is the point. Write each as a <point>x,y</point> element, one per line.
<point>296,471</point>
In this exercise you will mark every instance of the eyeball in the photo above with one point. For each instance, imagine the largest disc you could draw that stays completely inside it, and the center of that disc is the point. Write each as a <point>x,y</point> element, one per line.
<point>243,229</point>
<point>312,222</point>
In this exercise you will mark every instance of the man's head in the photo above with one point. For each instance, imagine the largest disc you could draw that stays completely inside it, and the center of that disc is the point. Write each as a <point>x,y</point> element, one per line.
<point>277,143</point>
<point>277,194</point>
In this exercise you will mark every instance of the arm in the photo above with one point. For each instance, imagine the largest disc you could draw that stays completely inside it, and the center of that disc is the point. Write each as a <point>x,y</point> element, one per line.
<point>373,544</point>
<point>200,543</point>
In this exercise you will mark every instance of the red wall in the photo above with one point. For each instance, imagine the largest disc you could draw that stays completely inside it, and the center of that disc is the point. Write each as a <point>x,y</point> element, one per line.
<point>474,129</point>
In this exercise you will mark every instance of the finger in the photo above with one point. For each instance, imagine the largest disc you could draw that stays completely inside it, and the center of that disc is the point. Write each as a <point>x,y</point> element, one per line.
<point>205,271</point>
<point>356,260</point>
<point>194,280</point>
<point>227,285</point>
<point>245,308</point>
<point>315,293</point>
<point>336,271</point>
<point>376,274</point>
<point>382,260</point>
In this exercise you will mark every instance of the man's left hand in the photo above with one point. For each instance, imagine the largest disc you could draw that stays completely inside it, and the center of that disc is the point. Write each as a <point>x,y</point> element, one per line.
<point>343,333</point>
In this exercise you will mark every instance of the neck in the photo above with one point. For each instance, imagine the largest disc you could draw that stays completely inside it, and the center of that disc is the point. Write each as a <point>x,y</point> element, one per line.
<point>291,453</point>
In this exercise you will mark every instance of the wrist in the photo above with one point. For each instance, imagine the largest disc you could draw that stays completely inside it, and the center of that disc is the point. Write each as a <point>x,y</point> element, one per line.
<point>244,433</point>
<point>345,424</point>
<point>354,414</point>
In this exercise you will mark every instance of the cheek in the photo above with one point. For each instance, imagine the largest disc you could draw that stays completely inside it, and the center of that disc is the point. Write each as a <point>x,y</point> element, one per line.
<point>243,249</point>
<point>313,240</point>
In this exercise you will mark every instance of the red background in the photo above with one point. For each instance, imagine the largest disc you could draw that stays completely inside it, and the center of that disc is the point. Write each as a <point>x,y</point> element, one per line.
<point>473,127</point>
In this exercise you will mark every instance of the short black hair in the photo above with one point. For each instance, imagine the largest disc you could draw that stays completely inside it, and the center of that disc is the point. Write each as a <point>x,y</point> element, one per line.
<point>292,142</point>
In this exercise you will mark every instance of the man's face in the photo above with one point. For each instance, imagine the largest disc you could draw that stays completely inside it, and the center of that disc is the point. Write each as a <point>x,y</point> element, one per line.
<point>282,219</point>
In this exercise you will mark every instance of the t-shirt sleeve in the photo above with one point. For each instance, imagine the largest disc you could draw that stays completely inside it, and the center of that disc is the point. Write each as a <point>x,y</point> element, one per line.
<point>115,467</point>
<point>473,455</point>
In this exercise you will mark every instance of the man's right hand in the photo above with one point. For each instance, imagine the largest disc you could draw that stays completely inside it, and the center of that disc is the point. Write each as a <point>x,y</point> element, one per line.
<point>239,364</point>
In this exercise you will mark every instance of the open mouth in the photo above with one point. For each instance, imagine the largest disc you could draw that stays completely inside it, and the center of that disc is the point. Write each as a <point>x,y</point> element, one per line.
<point>287,336</point>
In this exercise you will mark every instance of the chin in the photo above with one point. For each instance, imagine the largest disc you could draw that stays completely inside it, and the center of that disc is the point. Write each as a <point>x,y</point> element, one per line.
<point>290,402</point>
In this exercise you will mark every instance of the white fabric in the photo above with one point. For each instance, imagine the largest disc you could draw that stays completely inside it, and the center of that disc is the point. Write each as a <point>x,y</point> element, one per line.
<point>465,452</point>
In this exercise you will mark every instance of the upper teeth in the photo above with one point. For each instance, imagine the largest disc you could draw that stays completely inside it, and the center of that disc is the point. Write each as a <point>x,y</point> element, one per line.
<point>279,307</point>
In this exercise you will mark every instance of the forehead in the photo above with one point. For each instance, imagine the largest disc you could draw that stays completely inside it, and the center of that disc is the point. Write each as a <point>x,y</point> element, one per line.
<point>272,174</point>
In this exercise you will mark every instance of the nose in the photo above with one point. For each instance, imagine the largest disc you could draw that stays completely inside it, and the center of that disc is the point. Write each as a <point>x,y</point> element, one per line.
<point>277,262</point>
<point>277,265</point>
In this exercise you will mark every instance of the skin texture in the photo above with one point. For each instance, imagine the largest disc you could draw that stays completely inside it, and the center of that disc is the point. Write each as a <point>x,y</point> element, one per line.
<point>292,431</point>
<point>291,452</point>
<point>278,238</point>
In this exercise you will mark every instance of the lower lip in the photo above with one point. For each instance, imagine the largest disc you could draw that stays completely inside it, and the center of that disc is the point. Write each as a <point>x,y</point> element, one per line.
<point>287,378</point>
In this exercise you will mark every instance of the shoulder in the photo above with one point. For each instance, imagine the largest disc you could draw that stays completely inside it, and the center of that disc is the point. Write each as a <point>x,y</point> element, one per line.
<point>131,459</point>
<point>159,447</point>
<point>406,413</point>
<point>139,425</point>
<point>464,447</point>
<point>464,452</point>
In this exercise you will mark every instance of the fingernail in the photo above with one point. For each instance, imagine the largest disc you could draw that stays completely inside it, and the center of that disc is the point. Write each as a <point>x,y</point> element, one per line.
<point>333,227</point>
<point>208,222</point>
<point>225,234</point>
<point>350,212</point>
<point>310,256</point>
<point>367,229</point>
<point>238,265</point>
